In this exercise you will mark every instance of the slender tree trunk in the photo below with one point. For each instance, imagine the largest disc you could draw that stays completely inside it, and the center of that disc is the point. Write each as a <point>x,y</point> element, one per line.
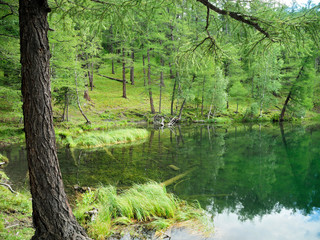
<point>144,71</point>
<point>78,100</point>
<point>161,84</point>
<point>90,75</point>
<point>283,111</point>
<point>202,100</point>
<point>66,107</point>
<point>174,92</point>
<point>181,109</point>
<point>149,84</point>
<point>67,103</point>
<point>112,68</point>
<point>52,215</point>
<point>132,68</point>
<point>111,49</point>
<point>124,87</point>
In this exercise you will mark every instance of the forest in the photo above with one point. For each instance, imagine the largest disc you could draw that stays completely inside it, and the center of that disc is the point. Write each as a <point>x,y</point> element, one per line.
<point>231,88</point>
<point>253,61</point>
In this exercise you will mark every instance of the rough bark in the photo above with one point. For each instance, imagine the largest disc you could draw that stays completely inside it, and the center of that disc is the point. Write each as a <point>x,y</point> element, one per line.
<point>149,84</point>
<point>52,215</point>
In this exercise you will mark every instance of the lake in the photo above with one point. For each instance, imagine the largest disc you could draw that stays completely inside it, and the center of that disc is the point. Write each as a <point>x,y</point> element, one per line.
<point>258,181</point>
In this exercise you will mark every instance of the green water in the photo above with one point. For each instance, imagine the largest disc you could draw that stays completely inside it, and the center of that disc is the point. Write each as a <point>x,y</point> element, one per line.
<point>259,182</point>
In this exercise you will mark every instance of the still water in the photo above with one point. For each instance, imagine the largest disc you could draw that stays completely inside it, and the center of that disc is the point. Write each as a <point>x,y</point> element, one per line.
<point>258,181</point>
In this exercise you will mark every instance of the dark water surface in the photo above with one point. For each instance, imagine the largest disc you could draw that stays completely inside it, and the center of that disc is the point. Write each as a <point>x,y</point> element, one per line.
<point>259,182</point>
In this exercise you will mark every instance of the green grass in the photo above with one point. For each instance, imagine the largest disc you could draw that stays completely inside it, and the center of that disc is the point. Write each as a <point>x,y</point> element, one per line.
<point>148,203</point>
<point>102,138</point>
<point>11,133</point>
<point>15,214</point>
<point>3,159</point>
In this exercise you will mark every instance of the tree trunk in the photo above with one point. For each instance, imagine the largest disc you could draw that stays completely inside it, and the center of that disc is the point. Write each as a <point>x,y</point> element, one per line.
<point>281,119</point>
<point>90,75</point>
<point>161,84</point>
<point>66,107</point>
<point>171,71</point>
<point>67,103</point>
<point>52,215</point>
<point>181,109</point>
<point>202,100</point>
<point>132,68</point>
<point>112,70</point>
<point>149,84</point>
<point>144,71</point>
<point>173,92</point>
<point>283,111</point>
<point>124,86</point>
<point>78,101</point>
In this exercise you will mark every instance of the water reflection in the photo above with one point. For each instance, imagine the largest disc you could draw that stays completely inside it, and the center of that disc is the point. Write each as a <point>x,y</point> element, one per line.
<point>283,225</point>
<point>252,178</point>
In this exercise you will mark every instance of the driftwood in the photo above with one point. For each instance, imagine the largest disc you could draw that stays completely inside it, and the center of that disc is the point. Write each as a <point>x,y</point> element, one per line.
<point>2,163</point>
<point>9,187</point>
<point>111,78</point>
<point>178,177</point>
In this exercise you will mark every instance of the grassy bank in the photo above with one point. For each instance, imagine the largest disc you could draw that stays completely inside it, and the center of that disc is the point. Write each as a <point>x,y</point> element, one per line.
<point>101,138</point>
<point>105,212</point>
<point>108,110</point>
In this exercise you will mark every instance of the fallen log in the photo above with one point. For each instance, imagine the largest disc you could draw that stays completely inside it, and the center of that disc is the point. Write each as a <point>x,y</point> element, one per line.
<point>111,78</point>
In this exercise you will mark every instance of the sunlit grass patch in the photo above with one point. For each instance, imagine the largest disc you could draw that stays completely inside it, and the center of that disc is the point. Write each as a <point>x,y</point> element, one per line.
<point>104,138</point>
<point>149,204</point>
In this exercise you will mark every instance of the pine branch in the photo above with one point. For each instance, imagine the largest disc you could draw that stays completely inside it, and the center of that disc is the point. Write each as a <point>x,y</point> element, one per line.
<point>252,21</point>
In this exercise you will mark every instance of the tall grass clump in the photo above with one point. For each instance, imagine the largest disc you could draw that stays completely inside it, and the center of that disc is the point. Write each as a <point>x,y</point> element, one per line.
<point>103,138</point>
<point>149,204</point>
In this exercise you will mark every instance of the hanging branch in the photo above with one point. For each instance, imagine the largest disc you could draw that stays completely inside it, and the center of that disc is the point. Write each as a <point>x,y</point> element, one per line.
<point>252,21</point>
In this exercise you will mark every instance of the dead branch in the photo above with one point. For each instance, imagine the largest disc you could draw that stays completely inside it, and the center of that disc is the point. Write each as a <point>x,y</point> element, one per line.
<point>9,187</point>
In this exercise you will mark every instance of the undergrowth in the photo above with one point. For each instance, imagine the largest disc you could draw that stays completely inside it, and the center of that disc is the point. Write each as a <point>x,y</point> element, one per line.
<point>148,204</point>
